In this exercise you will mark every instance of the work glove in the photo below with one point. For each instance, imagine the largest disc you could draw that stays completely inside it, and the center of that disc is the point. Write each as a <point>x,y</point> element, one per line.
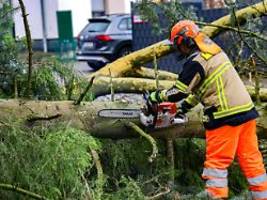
<point>151,103</point>
<point>180,113</point>
<point>154,97</point>
<point>182,109</point>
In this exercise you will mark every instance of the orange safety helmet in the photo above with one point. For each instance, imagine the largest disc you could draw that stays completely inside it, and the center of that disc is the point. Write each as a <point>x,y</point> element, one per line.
<point>187,32</point>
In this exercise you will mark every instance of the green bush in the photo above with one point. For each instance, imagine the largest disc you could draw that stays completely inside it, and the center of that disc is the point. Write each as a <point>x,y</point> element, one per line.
<point>50,164</point>
<point>10,67</point>
<point>51,79</point>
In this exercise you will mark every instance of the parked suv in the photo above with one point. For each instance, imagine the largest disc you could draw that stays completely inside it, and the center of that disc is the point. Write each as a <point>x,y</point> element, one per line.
<point>105,39</point>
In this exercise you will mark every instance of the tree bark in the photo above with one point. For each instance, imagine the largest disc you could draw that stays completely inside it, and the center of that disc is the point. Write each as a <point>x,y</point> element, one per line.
<point>21,191</point>
<point>85,117</point>
<point>140,57</point>
<point>101,86</point>
<point>29,46</point>
<point>143,72</point>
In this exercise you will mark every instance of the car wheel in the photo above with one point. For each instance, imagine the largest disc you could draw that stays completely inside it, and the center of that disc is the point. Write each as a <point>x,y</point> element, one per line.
<point>124,51</point>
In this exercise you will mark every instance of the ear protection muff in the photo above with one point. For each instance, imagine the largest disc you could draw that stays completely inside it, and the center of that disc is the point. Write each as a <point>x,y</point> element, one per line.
<point>182,38</point>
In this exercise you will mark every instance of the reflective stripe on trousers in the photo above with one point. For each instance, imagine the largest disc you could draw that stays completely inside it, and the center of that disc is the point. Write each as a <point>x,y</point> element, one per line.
<point>259,195</point>
<point>216,184</point>
<point>222,144</point>
<point>218,173</point>
<point>257,180</point>
<point>258,186</point>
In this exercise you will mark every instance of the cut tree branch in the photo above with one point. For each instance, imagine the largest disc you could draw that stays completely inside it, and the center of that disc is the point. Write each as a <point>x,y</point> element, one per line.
<point>150,139</point>
<point>140,57</point>
<point>36,118</point>
<point>247,32</point>
<point>138,85</point>
<point>242,38</point>
<point>90,84</point>
<point>159,195</point>
<point>21,191</point>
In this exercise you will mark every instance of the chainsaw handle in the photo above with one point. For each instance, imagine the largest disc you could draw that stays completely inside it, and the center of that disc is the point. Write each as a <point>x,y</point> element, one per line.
<point>151,107</point>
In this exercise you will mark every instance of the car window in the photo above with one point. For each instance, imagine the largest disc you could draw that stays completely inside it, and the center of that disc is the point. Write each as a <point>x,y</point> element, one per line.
<point>129,23</point>
<point>125,24</point>
<point>97,27</point>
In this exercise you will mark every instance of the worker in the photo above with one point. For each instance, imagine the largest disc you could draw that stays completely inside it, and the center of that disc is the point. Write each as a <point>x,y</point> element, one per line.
<point>229,117</point>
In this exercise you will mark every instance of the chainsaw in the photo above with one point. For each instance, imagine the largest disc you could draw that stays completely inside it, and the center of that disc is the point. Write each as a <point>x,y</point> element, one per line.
<point>152,115</point>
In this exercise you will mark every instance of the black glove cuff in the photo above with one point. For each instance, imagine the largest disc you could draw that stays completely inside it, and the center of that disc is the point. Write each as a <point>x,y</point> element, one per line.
<point>185,107</point>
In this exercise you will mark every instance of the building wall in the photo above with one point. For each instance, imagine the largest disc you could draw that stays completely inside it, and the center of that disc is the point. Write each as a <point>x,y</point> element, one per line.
<point>128,5</point>
<point>81,12</point>
<point>98,5</point>
<point>51,7</point>
<point>35,20</point>
<point>118,6</point>
<point>115,6</point>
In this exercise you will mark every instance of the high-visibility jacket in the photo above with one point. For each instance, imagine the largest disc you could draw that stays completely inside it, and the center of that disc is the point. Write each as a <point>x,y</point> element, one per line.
<point>216,84</point>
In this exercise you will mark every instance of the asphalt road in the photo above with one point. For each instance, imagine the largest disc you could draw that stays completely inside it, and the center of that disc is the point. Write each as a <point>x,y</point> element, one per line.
<point>82,68</point>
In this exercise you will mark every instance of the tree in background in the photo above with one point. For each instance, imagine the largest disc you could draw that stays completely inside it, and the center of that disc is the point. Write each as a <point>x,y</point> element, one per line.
<point>240,40</point>
<point>9,49</point>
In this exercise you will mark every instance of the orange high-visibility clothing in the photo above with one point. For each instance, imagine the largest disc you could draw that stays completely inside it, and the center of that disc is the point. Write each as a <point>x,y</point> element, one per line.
<point>222,145</point>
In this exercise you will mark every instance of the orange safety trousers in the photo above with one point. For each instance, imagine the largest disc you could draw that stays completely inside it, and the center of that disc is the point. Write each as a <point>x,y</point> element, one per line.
<point>222,144</point>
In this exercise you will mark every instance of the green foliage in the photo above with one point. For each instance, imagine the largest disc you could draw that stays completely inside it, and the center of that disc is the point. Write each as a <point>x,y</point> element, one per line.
<point>57,163</point>
<point>48,162</point>
<point>53,79</point>
<point>240,47</point>
<point>128,171</point>
<point>189,167</point>
<point>237,181</point>
<point>130,158</point>
<point>162,16</point>
<point>129,189</point>
<point>10,67</point>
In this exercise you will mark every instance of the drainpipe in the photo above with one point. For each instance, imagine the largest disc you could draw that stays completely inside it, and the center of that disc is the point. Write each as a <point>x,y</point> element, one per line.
<point>44,26</point>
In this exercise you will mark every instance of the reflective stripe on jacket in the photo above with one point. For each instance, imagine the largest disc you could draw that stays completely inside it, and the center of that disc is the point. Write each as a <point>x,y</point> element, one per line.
<point>222,87</point>
<point>213,81</point>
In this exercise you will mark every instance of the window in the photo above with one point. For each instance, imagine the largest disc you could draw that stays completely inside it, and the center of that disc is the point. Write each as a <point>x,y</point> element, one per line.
<point>129,23</point>
<point>125,24</point>
<point>97,26</point>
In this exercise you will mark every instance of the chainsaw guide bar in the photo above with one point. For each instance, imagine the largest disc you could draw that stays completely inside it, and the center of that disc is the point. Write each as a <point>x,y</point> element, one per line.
<point>120,113</point>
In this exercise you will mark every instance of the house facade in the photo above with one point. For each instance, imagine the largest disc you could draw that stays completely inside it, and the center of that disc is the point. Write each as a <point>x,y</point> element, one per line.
<point>43,16</point>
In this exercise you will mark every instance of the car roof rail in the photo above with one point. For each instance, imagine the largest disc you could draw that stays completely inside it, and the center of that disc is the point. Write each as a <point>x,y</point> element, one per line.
<point>108,16</point>
<point>117,14</point>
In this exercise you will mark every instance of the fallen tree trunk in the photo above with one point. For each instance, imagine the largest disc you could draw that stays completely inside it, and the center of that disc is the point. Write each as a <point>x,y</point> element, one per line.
<point>144,72</point>
<point>140,57</point>
<point>101,86</point>
<point>85,117</point>
<point>263,93</point>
